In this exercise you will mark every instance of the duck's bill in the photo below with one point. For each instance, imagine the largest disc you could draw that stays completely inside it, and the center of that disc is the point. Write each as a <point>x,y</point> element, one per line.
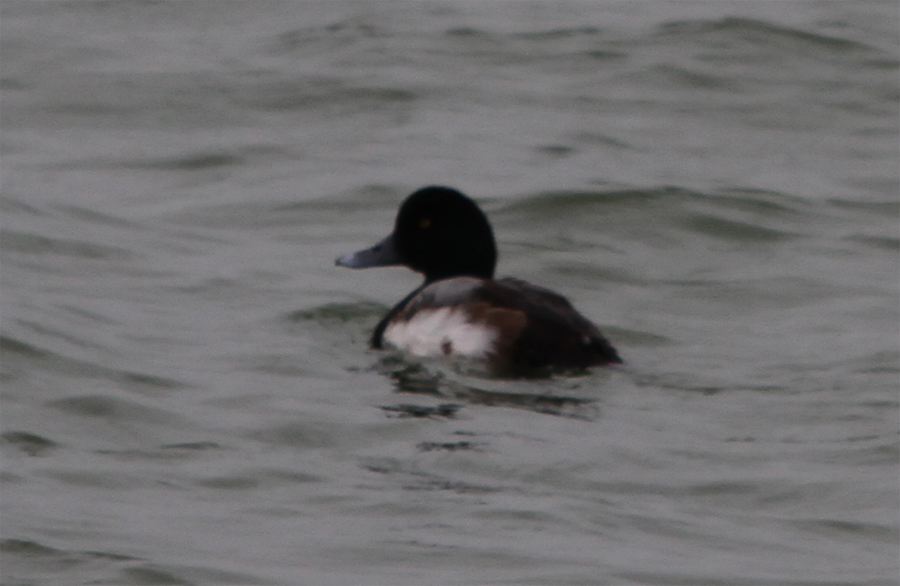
<point>383,254</point>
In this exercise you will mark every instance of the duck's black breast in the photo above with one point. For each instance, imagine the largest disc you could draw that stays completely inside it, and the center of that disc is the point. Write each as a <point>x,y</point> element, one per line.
<point>517,326</point>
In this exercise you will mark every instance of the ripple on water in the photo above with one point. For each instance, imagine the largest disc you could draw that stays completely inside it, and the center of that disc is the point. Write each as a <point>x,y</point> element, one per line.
<point>116,409</point>
<point>23,557</point>
<point>22,359</point>
<point>25,243</point>
<point>29,443</point>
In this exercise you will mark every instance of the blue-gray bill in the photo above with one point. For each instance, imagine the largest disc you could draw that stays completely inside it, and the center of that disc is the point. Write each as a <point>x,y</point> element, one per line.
<point>383,254</point>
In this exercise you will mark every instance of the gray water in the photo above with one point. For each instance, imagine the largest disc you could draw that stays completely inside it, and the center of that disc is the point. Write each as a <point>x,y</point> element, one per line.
<point>187,392</point>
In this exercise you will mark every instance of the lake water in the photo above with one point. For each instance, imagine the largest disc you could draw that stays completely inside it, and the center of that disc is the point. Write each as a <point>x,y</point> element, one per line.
<point>187,392</point>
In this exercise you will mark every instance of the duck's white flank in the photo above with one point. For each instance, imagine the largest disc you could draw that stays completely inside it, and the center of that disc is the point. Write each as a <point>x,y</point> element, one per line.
<point>444,331</point>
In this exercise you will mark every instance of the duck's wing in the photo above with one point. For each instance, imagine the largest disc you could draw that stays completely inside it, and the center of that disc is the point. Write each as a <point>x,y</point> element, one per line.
<point>555,333</point>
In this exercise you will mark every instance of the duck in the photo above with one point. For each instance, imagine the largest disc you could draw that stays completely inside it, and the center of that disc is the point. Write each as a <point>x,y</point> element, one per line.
<point>460,311</point>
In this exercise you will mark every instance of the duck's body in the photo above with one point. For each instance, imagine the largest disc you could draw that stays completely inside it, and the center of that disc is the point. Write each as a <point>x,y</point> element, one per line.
<point>460,311</point>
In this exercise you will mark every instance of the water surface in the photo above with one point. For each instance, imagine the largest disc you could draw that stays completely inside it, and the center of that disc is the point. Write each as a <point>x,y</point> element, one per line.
<point>187,392</point>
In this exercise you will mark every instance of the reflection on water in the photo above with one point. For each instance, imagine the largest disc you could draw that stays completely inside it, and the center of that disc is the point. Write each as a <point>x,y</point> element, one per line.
<point>415,378</point>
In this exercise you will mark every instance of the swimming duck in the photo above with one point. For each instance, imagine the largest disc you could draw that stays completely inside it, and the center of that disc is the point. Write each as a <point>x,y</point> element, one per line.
<point>460,310</point>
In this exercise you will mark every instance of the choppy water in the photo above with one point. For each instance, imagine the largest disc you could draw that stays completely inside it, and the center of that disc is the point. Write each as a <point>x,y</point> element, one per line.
<point>188,397</point>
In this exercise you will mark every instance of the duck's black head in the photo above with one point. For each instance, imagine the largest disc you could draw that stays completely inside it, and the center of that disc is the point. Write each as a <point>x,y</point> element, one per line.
<point>438,232</point>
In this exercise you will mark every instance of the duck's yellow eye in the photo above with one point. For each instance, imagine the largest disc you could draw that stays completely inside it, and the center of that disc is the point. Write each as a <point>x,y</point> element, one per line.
<point>424,222</point>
